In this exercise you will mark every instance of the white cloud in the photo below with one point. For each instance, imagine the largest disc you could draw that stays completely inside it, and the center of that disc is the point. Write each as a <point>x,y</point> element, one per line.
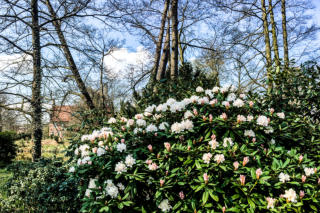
<point>120,62</point>
<point>13,61</point>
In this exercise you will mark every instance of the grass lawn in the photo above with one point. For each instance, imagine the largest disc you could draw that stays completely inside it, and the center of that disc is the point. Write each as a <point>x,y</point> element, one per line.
<point>50,149</point>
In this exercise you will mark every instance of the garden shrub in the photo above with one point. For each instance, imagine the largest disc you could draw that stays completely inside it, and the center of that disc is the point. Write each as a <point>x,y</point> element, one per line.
<point>214,151</point>
<point>7,147</point>
<point>43,186</point>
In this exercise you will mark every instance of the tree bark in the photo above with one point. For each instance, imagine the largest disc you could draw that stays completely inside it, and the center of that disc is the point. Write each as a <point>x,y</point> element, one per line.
<point>284,34</point>
<point>155,71</point>
<point>36,83</point>
<point>274,35</point>
<point>69,57</point>
<point>174,42</point>
<point>165,54</point>
<point>267,41</point>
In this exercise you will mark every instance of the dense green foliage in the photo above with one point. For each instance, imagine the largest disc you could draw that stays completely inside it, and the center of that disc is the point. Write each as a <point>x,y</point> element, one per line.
<point>39,187</point>
<point>219,151</point>
<point>7,147</point>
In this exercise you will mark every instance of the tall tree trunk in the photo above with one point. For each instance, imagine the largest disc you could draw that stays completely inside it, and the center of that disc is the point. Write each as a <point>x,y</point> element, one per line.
<point>155,70</point>
<point>284,34</point>
<point>165,54</point>
<point>274,35</point>
<point>0,119</point>
<point>36,82</point>
<point>267,42</point>
<point>69,57</point>
<point>174,43</point>
<point>103,104</point>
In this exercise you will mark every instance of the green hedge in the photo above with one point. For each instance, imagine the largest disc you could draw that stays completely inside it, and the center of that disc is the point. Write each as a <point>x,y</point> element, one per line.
<point>7,147</point>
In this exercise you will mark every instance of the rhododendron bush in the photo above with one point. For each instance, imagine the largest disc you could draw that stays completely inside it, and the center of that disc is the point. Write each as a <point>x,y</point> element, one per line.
<point>215,151</point>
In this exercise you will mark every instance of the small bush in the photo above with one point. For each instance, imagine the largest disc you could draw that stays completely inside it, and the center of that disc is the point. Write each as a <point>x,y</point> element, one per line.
<point>44,186</point>
<point>7,147</point>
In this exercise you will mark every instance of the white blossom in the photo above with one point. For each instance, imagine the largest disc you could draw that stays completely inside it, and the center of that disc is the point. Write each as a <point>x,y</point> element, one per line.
<point>120,167</point>
<point>227,141</point>
<point>72,169</point>
<point>290,195</point>
<point>165,206</point>
<point>112,120</point>
<point>249,133</point>
<point>188,114</point>
<point>281,115</point>
<point>262,120</point>
<point>199,89</point>
<point>141,122</point>
<point>121,147</point>
<point>219,158</point>
<point>213,144</point>
<point>130,161</point>
<point>101,151</point>
<point>309,171</point>
<point>284,177</point>
<point>215,89</point>
<point>120,186</point>
<point>206,157</point>
<point>231,97</point>
<point>163,126</point>
<point>151,128</point>
<point>238,103</point>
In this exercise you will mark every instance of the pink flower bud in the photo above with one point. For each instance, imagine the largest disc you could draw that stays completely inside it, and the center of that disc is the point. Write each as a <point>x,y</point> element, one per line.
<point>254,140</point>
<point>300,158</point>
<point>167,172</point>
<point>168,146</point>
<point>122,140</point>
<point>204,118</point>
<point>223,209</point>
<point>195,112</point>
<point>301,194</point>
<point>150,147</point>
<point>213,136</point>
<point>106,148</point>
<point>319,181</point>
<point>123,128</point>
<point>224,116</point>
<point>90,162</point>
<point>94,150</point>
<point>189,148</point>
<point>148,162</point>
<point>245,161</point>
<point>205,178</point>
<point>227,105</point>
<point>258,173</point>
<point>210,118</point>
<point>303,178</point>
<point>156,134</point>
<point>161,182</point>
<point>271,110</point>
<point>251,104</point>
<point>213,102</point>
<point>242,180</point>
<point>181,195</point>
<point>236,165</point>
